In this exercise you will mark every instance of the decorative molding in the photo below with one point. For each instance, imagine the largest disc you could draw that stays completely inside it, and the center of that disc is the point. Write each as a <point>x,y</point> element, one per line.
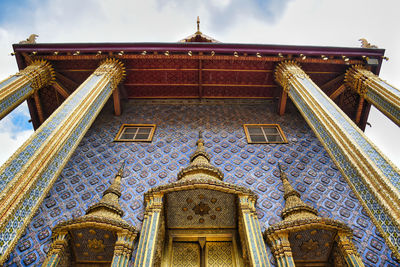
<point>382,95</point>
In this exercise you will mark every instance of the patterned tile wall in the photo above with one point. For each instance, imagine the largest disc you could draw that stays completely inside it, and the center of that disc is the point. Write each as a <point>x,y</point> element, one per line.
<point>98,158</point>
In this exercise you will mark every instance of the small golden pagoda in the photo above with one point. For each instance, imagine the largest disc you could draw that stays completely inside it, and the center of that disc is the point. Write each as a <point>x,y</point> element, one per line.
<point>303,238</point>
<point>99,238</point>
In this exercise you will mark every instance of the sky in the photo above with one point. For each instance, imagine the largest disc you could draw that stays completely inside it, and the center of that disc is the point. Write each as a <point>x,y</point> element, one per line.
<point>295,22</point>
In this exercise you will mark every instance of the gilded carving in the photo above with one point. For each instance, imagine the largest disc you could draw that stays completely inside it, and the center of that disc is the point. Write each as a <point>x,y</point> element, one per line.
<point>96,245</point>
<point>304,236</point>
<point>359,79</point>
<point>309,245</point>
<point>101,220</point>
<point>180,213</point>
<point>201,209</point>
<point>286,72</point>
<point>219,254</point>
<point>366,44</point>
<point>376,91</point>
<point>30,40</point>
<point>40,73</point>
<point>113,69</point>
<point>24,84</point>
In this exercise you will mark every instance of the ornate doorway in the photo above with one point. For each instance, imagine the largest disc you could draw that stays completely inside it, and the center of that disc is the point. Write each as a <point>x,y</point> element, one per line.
<point>200,220</point>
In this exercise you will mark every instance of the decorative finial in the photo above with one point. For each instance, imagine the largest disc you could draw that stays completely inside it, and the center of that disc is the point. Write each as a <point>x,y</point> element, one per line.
<point>366,44</point>
<point>198,26</point>
<point>200,144</point>
<point>121,170</point>
<point>30,40</point>
<point>282,173</point>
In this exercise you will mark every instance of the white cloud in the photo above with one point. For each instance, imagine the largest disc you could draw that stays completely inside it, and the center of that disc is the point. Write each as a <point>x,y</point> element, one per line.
<point>14,131</point>
<point>307,22</point>
<point>10,145</point>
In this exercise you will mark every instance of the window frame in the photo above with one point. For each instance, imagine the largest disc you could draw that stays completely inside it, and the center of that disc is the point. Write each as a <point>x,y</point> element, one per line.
<point>277,126</point>
<point>125,125</point>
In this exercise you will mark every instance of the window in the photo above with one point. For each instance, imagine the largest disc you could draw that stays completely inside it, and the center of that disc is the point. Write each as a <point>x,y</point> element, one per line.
<point>136,133</point>
<point>264,134</point>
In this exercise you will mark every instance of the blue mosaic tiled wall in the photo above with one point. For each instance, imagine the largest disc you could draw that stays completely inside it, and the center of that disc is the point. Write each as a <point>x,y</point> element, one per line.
<point>98,158</point>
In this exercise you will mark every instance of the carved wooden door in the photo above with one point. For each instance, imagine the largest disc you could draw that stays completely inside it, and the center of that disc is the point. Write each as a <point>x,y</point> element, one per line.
<point>219,254</point>
<point>186,254</point>
<point>191,254</point>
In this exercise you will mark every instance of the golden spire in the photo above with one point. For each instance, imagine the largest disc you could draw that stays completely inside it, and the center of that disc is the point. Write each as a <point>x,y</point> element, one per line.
<point>295,208</point>
<point>108,206</point>
<point>200,165</point>
<point>198,25</point>
<point>198,36</point>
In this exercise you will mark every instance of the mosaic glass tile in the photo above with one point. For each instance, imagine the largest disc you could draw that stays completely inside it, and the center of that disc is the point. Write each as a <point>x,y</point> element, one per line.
<point>306,163</point>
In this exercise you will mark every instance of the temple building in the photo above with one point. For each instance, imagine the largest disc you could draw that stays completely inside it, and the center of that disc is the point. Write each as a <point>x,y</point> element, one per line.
<point>199,153</point>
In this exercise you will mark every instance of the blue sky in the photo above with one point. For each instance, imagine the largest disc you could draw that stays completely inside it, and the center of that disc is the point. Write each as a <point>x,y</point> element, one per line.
<point>306,22</point>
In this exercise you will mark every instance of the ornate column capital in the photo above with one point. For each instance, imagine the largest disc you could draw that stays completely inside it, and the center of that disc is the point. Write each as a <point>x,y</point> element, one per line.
<point>59,244</point>
<point>247,204</point>
<point>58,250</point>
<point>18,87</point>
<point>154,202</point>
<point>359,79</point>
<point>376,91</point>
<point>286,71</point>
<point>124,244</point>
<point>40,73</point>
<point>113,69</point>
<point>345,244</point>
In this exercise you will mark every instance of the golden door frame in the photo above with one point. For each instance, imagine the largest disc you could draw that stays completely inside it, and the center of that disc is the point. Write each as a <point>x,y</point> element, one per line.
<point>152,250</point>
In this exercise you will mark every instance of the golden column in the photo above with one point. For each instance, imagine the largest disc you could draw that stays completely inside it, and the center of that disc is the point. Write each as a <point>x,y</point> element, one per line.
<point>27,177</point>
<point>382,95</point>
<point>123,248</point>
<point>150,229</point>
<point>251,227</point>
<point>18,87</point>
<point>372,177</point>
<point>348,250</point>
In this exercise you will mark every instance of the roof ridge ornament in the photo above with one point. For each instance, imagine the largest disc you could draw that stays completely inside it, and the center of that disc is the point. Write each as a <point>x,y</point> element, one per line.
<point>198,36</point>
<point>30,40</point>
<point>366,44</point>
<point>198,25</point>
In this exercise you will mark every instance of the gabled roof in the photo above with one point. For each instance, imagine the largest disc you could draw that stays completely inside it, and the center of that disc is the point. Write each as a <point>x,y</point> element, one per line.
<point>198,36</point>
<point>199,70</point>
